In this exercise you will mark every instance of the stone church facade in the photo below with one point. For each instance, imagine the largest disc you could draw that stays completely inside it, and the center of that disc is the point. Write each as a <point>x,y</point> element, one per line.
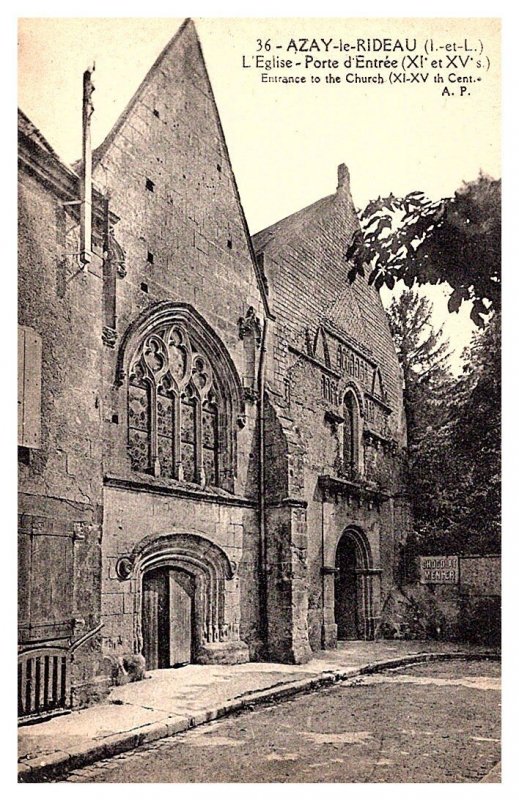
<point>211,436</point>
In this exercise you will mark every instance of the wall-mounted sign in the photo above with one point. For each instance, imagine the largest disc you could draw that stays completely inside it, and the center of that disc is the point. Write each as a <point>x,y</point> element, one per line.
<point>439,569</point>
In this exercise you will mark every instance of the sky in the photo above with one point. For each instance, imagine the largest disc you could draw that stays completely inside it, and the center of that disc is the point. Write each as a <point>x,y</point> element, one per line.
<point>285,142</point>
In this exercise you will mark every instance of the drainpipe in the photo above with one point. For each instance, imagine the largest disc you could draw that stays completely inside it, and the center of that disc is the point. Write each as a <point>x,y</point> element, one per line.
<point>85,248</point>
<point>323,576</point>
<point>261,493</point>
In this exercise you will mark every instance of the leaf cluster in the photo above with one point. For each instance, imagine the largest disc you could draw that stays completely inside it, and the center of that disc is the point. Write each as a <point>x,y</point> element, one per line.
<point>456,240</point>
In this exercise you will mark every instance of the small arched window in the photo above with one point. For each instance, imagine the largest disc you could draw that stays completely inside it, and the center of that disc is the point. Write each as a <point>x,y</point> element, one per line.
<point>351,441</point>
<point>174,409</point>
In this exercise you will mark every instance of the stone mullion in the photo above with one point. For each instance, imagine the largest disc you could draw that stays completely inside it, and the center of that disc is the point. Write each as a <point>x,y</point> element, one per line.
<point>198,449</point>
<point>176,443</point>
<point>154,454</point>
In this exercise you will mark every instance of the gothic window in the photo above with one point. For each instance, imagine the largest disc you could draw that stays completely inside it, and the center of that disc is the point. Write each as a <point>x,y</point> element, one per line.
<point>174,409</point>
<point>329,389</point>
<point>166,427</point>
<point>351,435</point>
<point>188,409</point>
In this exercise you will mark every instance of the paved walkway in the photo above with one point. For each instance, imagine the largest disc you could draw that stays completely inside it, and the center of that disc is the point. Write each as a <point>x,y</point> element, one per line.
<point>173,700</point>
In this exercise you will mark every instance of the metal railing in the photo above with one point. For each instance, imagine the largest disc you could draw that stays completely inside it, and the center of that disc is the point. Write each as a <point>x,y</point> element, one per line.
<point>43,682</point>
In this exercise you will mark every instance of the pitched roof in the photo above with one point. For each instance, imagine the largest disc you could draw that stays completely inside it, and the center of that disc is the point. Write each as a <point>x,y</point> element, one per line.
<point>307,269</point>
<point>29,129</point>
<point>36,155</point>
<point>289,226</point>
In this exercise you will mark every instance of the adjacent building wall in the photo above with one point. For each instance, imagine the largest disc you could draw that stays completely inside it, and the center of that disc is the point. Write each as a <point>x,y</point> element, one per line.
<point>60,473</point>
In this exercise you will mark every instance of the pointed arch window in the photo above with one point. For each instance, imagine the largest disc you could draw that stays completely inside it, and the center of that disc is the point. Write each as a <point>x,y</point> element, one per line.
<point>139,423</point>
<point>351,438</point>
<point>174,409</point>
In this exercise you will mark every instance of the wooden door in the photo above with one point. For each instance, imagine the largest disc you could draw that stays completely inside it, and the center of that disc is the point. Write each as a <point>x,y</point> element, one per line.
<point>346,614</point>
<point>155,618</point>
<point>181,617</point>
<point>167,617</point>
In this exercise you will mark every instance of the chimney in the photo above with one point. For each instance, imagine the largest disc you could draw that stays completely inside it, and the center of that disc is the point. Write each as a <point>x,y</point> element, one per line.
<point>343,178</point>
<point>85,246</point>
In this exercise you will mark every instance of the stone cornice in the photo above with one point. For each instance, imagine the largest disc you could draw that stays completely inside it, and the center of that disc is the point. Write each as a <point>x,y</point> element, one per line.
<point>357,348</point>
<point>379,401</point>
<point>161,486</point>
<point>315,362</point>
<point>332,485</point>
<point>378,439</point>
<point>287,502</point>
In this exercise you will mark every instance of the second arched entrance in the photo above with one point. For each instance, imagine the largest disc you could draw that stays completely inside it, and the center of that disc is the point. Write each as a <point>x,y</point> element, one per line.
<point>346,601</point>
<point>353,587</point>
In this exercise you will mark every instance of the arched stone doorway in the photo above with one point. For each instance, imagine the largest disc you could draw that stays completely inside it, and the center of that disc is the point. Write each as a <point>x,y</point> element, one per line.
<point>186,601</point>
<point>353,589</point>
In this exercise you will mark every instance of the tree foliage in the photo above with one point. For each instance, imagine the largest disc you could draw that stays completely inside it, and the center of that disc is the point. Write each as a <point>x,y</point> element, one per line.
<point>456,240</point>
<point>476,438</point>
<point>423,355</point>
<point>453,432</point>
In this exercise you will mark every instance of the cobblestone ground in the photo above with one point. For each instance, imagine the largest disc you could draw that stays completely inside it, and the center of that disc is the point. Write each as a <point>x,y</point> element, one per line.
<point>428,723</point>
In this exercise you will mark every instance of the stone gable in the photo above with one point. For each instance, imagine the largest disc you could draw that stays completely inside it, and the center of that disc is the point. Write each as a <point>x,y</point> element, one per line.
<point>167,170</point>
<point>306,269</point>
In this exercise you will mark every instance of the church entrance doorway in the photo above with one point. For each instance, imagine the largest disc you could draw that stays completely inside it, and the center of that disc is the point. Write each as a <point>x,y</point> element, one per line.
<point>346,601</point>
<point>356,587</point>
<point>167,617</point>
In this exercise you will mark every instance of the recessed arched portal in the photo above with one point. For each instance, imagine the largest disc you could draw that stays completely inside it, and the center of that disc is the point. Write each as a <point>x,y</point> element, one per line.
<point>186,601</point>
<point>353,606</point>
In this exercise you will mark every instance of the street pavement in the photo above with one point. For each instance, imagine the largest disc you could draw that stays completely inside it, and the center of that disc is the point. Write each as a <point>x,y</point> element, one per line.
<point>172,701</point>
<point>427,723</point>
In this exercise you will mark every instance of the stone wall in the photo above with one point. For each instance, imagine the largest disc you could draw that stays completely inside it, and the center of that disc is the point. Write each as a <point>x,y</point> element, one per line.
<point>480,576</point>
<point>330,337</point>
<point>306,269</point>
<point>467,611</point>
<point>131,517</point>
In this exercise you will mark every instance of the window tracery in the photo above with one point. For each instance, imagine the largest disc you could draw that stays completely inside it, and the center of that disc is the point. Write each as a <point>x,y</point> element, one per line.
<point>174,403</point>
